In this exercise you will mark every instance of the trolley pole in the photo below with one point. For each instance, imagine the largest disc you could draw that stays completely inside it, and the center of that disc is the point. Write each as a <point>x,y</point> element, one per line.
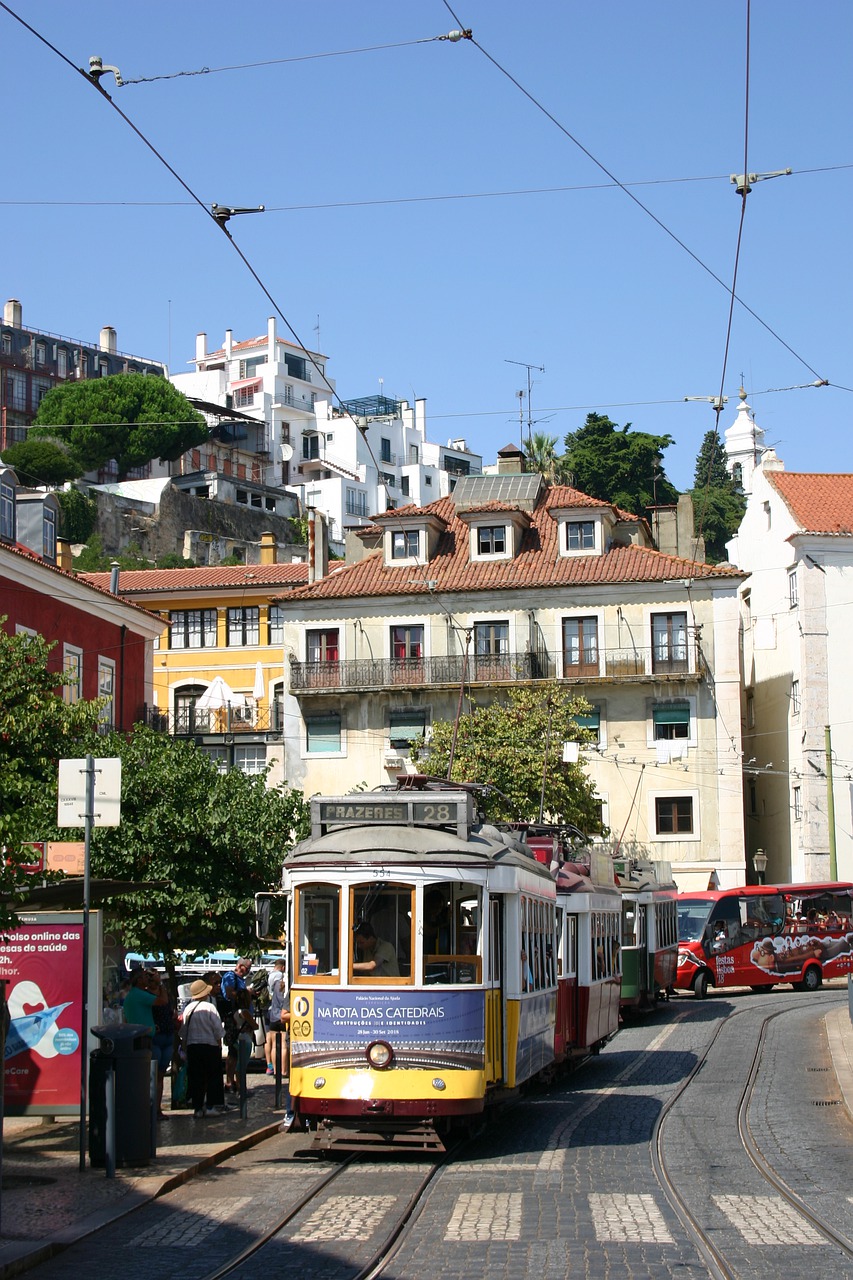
<point>830,805</point>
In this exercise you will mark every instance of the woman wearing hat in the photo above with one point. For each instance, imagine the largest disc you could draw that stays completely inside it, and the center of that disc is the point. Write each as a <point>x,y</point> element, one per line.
<point>201,1036</point>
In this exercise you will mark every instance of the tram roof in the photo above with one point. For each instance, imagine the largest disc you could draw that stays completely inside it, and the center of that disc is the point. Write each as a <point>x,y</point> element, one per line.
<point>414,844</point>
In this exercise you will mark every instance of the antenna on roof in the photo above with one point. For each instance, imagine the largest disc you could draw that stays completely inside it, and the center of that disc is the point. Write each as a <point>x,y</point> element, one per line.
<point>540,368</point>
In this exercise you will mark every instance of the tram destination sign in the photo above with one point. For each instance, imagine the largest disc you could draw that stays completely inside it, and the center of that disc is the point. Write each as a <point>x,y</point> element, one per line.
<point>449,810</point>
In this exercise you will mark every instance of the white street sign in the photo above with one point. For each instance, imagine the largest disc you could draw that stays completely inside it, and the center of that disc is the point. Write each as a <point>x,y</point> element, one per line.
<point>72,793</point>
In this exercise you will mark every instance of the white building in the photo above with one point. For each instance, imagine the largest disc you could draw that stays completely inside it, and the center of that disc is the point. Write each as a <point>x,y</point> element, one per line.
<point>796,542</point>
<point>545,583</point>
<point>347,459</point>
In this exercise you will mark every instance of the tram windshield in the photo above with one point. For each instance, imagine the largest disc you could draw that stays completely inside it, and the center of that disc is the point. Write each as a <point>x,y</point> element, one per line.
<point>692,917</point>
<point>382,931</point>
<point>317,928</point>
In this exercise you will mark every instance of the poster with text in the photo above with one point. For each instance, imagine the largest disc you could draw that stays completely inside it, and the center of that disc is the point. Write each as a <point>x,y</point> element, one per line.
<point>42,964</point>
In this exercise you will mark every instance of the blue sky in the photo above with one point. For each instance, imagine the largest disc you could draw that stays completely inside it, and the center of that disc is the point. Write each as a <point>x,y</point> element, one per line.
<point>433,297</point>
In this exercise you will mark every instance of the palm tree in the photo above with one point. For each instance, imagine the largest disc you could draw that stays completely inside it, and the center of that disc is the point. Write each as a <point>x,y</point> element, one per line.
<point>542,456</point>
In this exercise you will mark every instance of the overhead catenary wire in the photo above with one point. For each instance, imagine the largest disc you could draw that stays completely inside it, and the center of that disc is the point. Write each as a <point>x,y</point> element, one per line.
<point>744,192</point>
<point>398,200</point>
<point>623,187</point>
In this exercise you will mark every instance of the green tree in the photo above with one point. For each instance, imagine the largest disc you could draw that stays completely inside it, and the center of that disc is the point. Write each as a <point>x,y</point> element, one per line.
<point>541,454</point>
<point>37,728</point>
<point>79,514</point>
<point>42,461</point>
<point>512,745</point>
<point>619,465</point>
<point>718,502</point>
<point>129,417</point>
<point>205,841</point>
<point>94,559</point>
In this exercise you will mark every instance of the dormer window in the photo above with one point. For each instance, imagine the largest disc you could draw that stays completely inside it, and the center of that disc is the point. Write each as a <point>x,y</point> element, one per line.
<point>405,544</point>
<point>491,540</point>
<point>49,534</point>
<point>580,535</point>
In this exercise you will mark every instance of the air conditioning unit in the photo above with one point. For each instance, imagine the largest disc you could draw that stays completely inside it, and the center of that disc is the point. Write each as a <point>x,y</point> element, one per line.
<point>393,760</point>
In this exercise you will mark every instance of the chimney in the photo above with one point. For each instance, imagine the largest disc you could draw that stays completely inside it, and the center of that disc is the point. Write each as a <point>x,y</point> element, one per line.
<point>63,554</point>
<point>511,461</point>
<point>13,314</point>
<point>200,347</point>
<point>229,341</point>
<point>269,549</point>
<point>318,546</point>
<point>271,340</point>
<point>107,341</point>
<point>115,568</point>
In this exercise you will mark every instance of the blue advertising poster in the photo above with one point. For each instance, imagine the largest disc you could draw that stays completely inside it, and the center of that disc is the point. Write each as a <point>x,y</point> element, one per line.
<point>423,1027</point>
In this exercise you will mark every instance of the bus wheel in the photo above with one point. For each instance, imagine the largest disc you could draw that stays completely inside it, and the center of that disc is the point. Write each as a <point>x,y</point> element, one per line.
<point>700,984</point>
<point>812,978</point>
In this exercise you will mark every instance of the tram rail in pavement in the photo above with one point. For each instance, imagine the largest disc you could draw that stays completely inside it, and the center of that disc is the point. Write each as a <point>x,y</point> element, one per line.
<point>47,1203</point>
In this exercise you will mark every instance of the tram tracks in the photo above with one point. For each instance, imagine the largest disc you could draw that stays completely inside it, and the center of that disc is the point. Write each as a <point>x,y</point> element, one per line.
<point>341,1220</point>
<point>719,1264</point>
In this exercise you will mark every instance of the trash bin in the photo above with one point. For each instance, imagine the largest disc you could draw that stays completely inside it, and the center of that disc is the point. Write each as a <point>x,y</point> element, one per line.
<point>125,1049</point>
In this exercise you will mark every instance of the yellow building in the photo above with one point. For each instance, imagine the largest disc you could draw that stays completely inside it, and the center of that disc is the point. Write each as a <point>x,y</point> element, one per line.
<point>218,665</point>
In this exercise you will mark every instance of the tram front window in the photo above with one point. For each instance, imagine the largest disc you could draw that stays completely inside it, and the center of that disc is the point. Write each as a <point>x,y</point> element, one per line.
<point>452,915</point>
<point>317,915</point>
<point>692,916</point>
<point>382,932</point>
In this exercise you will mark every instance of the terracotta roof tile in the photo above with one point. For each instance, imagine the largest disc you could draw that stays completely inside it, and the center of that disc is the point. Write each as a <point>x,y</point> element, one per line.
<point>25,553</point>
<point>136,581</point>
<point>536,565</point>
<point>820,503</point>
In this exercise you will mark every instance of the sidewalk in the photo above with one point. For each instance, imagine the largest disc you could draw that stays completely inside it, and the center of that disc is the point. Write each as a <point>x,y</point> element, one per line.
<point>47,1203</point>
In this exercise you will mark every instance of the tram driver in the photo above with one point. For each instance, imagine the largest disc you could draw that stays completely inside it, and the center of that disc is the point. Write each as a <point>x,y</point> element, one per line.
<point>380,958</point>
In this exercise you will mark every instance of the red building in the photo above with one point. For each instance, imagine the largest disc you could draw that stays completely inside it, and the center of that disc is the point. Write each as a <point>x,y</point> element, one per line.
<point>103,645</point>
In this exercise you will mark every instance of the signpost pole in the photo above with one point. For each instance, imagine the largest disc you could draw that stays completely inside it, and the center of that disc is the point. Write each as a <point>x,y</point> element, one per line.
<point>89,820</point>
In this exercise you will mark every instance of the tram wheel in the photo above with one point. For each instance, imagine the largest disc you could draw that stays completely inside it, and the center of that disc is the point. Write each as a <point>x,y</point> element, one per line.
<point>700,984</point>
<point>812,978</point>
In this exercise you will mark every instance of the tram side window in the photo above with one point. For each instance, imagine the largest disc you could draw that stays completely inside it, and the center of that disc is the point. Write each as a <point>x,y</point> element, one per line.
<point>317,926</point>
<point>537,944</point>
<point>629,923</point>
<point>605,933</point>
<point>452,916</point>
<point>666,923</point>
<point>387,910</point>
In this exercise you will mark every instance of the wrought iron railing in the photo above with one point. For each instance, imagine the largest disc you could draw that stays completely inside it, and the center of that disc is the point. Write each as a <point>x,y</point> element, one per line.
<point>506,668</point>
<point>379,673</point>
<point>190,722</point>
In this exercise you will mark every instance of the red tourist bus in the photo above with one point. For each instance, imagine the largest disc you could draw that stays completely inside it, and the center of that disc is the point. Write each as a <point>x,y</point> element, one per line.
<point>758,935</point>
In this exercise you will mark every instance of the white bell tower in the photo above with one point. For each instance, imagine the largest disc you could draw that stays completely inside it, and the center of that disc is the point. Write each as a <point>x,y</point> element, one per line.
<point>744,445</point>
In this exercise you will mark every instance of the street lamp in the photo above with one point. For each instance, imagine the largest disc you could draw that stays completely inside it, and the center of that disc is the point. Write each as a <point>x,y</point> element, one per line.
<point>759,861</point>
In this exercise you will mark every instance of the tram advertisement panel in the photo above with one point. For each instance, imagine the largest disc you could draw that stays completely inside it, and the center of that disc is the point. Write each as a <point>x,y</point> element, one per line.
<point>449,1025</point>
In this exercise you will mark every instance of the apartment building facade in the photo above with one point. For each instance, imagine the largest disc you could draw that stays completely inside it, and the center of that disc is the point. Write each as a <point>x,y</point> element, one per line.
<point>509,581</point>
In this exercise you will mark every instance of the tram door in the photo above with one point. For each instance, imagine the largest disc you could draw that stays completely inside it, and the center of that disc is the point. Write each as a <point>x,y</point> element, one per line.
<point>495,995</point>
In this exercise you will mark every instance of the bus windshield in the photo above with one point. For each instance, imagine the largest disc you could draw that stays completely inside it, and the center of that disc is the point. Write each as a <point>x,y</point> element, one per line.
<point>692,916</point>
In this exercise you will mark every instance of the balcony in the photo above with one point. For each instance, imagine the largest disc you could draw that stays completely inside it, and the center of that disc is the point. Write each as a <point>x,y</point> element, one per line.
<point>189,722</point>
<point>357,675</point>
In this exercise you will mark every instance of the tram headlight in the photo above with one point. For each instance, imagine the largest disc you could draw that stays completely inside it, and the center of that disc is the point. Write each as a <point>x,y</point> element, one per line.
<point>320,1082</point>
<point>380,1054</point>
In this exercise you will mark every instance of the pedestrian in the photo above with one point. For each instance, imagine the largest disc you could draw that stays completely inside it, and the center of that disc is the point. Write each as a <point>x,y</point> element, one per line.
<point>144,993</point>
<point>163,1046</point>
<point>278,991</point>
<point>235,980</point>
<point>240,1026</point>
<point>201,1038</point>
